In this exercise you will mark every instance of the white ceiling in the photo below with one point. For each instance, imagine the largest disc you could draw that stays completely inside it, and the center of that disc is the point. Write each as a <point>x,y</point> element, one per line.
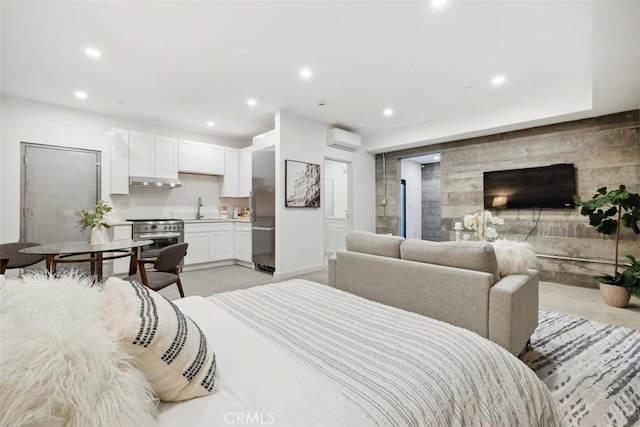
<point>185,63</point>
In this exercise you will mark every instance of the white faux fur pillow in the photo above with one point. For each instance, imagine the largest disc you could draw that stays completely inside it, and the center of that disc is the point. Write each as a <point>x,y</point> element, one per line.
<point>514,257</point>
<point>59,365</point>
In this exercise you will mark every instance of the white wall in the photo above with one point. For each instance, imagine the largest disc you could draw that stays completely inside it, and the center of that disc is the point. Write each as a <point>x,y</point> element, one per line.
<point>300,231</point>
<point>412,174</point>
<point>25,120</point>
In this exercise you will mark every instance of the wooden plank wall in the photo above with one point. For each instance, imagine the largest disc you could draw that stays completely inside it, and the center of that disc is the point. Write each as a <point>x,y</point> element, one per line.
<point>605,151</point>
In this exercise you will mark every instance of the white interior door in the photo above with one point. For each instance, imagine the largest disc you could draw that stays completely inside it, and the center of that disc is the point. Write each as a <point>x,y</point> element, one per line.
<point>56,182</point>
<point>337,200</point>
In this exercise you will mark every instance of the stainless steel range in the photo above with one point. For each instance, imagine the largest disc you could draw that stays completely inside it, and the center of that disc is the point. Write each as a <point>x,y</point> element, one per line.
<point>163,233</point>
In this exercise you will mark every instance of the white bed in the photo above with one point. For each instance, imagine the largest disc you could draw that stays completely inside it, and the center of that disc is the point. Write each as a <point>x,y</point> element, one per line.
<point>299,353</point>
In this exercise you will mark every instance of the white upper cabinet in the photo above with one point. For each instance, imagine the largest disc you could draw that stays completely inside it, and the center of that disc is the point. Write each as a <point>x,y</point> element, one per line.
<point>142,158</point>
<point>118,162</point>
<point>213,159</point>
<point>153,156</point>
<point>237,177</point>
<point>198,157</point>
<point>244,172</point>
<point>166,157</point>
<point>189,156</point>
<point>230,183</point>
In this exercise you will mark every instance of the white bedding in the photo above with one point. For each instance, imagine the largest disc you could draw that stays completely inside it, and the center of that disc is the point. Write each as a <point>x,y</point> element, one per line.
<point>298,353</point>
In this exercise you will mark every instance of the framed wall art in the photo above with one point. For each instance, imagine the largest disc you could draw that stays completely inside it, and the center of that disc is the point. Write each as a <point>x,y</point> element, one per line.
<point>302,184</point>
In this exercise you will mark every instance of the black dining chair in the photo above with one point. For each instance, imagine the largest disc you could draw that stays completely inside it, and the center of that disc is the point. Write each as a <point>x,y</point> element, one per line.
<point>10,256</point>
<point>165,268</point>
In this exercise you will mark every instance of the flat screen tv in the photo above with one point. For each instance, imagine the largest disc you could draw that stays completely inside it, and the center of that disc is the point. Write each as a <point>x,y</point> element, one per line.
<point>543,187</point>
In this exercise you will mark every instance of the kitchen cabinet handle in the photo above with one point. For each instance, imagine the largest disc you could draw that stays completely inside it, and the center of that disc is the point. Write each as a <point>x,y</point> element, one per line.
<point>158,236</point>
<point>263,228</point>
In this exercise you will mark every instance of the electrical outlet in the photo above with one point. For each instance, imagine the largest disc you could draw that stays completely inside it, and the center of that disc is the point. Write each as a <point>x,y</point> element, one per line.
<point>384,202</point>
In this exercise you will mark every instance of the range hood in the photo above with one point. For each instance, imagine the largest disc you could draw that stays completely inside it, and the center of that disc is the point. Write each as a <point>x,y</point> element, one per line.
<point>152,182</point>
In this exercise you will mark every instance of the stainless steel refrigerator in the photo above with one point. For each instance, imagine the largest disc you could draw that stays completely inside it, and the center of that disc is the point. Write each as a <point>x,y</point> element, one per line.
<point>263,209</point>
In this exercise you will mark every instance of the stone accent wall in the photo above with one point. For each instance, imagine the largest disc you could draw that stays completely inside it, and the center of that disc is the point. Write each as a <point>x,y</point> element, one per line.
<point>431,211</point>
<point>605,151</point>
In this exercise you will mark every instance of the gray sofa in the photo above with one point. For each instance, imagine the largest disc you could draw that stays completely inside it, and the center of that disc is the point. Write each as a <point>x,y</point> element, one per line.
<point>455,282</point>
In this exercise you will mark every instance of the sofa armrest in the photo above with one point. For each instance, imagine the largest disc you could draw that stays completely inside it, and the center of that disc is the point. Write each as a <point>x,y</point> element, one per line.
<point>332,270</point>
<point>513,311</point>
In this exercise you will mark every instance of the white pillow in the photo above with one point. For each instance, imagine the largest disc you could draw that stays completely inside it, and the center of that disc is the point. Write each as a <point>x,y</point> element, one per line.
<point>58,363</point>
<point>514,257</point>
<point>168,346</point>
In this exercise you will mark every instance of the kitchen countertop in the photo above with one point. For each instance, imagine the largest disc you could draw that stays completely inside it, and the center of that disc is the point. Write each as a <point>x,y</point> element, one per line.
<point>120,222</point>
<point>199,221</point>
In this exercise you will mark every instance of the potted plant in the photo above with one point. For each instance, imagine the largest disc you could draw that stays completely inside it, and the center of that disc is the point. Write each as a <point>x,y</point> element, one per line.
<point>97,220</point>
<point>608,212</point>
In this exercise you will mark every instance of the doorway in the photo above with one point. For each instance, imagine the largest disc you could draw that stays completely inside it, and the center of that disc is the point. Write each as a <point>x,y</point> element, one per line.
<point>420,197</point>
<point>337,204</point>
<point>55,182</point>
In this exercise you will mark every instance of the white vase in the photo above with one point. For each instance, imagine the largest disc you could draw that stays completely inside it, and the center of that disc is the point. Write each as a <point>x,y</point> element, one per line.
<point>98,235</point>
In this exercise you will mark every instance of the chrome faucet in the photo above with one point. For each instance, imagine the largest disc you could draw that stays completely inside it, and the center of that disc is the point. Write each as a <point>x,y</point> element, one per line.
<point>198,214</point>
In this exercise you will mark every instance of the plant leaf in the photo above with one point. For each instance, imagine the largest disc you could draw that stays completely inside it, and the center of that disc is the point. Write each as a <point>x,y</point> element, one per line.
<point>607,226</point>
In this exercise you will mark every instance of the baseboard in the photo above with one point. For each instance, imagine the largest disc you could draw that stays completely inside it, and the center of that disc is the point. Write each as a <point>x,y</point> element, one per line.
<point>204,265</point>
<point>289,274</point>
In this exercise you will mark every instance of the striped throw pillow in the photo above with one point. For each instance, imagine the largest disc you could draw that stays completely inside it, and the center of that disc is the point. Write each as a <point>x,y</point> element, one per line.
<point>168,346</point>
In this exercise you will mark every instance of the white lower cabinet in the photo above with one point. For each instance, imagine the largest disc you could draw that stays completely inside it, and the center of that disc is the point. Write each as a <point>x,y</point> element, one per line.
<point>198,250</point>
<point>242,242</point>
<point>221,241</point>
<point>213,241</point>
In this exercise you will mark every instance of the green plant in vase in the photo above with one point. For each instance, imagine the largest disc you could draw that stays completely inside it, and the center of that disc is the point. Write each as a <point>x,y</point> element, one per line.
<point>97,217</point>
<point>609,212</point>
<point>97,220</point>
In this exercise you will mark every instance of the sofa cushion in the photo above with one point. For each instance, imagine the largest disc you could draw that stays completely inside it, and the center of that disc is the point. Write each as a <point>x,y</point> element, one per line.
<point>478,256</point>
<point>374,244</point>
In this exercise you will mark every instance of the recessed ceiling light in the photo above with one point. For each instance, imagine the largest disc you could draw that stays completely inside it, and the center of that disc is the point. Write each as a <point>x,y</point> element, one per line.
<point>498,80</point>
<point>81,95</point>
<point>305,73</point>
<point>252,102</point>
<point>210,124</point>
<point>388,112</point>
<point>93,52</point>
<point>437,4</point>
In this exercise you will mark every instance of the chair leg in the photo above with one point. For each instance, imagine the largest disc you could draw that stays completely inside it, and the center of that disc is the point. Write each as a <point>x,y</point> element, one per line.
<point>180,288</point>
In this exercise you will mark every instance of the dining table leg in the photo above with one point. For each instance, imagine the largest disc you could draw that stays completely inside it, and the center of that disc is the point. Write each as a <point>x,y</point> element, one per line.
<point>49,262</point>
<point>133,264</point>
<point>99,265</point>
<point>93,264</point>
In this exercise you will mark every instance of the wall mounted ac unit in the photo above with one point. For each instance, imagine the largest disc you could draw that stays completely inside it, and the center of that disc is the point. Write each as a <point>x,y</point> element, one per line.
<point>339,138</point>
